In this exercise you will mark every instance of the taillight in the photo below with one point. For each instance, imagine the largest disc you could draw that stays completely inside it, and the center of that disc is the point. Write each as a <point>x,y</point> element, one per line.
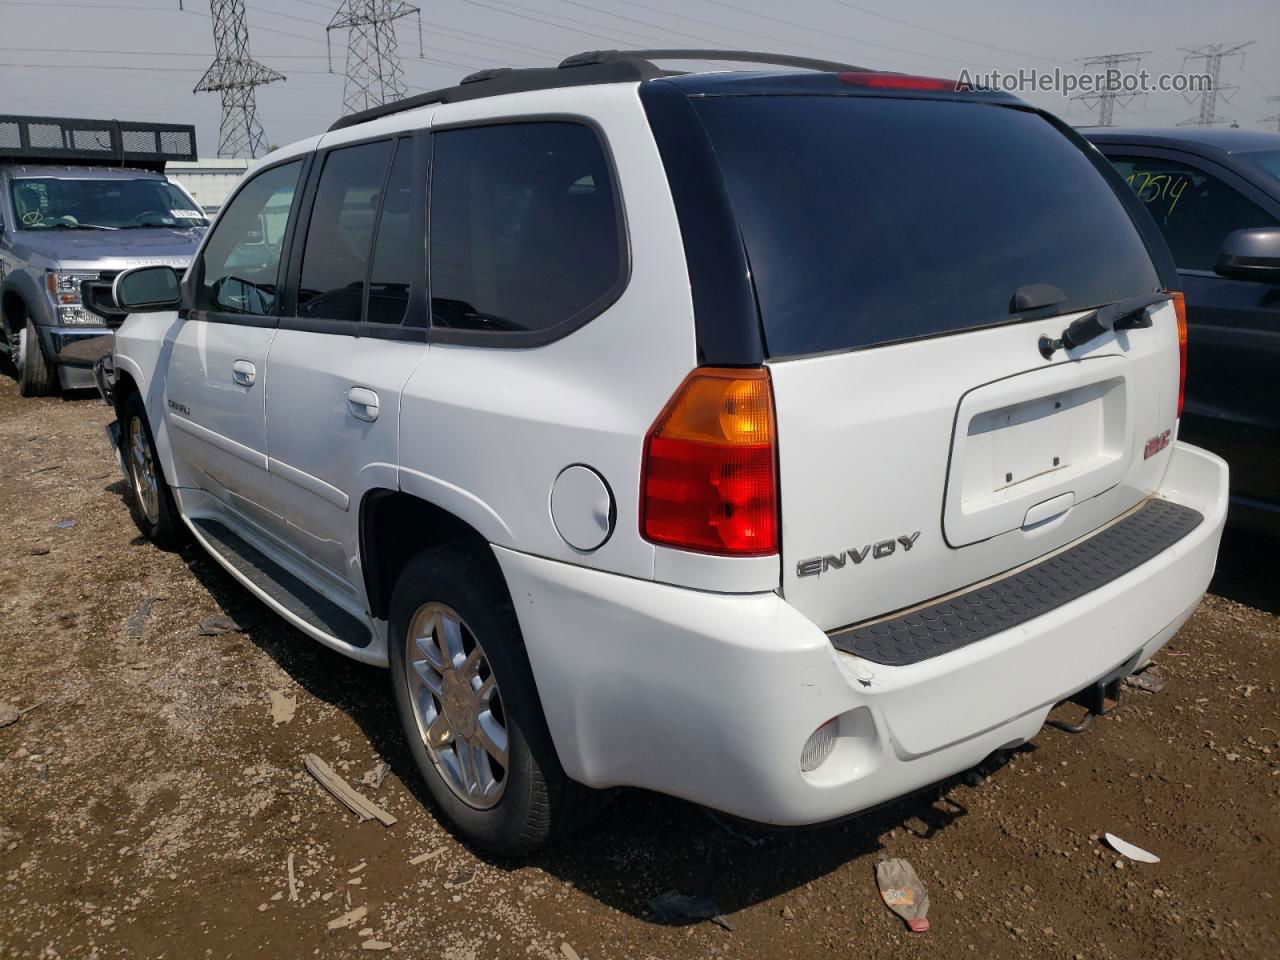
<point>899,81</point>
<point>1180,308</point>
<point>709,480</point>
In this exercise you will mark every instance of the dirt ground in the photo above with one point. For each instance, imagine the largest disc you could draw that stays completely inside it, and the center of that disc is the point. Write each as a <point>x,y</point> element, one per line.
<point>150,804</point>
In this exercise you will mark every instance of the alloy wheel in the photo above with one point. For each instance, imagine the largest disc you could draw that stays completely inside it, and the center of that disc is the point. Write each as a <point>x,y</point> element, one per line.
<point>457,705</point>
<point>142,469</point>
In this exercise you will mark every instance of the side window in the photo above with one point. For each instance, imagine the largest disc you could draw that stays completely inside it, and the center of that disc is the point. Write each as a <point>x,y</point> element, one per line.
<point>335,259</point>
<point>524,227</point>
<point>393,250</point>
<point>1194,210</point>
<point>241,261</point>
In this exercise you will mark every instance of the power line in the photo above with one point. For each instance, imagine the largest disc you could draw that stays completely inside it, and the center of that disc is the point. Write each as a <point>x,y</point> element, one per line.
<point>549,23</point>
<point>1212,54</point>
<point>574,25</point>
<point>1105,99</point>
<point>739,30</point>
<point>643,23</point>
<point>832,33</point>
<point>235,75</point>
<point>949,36</point>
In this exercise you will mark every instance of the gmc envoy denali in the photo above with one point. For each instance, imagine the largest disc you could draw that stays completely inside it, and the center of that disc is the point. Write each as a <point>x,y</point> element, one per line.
<point>781,440</point>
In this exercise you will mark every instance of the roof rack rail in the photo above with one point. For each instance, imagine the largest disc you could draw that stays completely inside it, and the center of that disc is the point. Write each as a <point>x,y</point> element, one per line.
<point>720,56</point>
<point>77,141</point>
<point>581,69</point>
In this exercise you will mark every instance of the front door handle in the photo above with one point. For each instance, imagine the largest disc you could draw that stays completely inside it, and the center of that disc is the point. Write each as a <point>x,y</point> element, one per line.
<point>363,403</point>
<point>244,373</point>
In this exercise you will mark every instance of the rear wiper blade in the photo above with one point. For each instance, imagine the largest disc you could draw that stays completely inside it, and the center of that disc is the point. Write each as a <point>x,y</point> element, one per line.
<point>1131,314</point>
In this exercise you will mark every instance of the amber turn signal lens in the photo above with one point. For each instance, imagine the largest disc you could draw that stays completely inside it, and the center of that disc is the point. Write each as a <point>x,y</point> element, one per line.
<point>1180,308</point>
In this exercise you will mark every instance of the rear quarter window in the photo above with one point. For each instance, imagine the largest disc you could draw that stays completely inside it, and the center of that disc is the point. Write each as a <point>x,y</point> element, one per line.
<point>870,220</point>
<point>526,235</point>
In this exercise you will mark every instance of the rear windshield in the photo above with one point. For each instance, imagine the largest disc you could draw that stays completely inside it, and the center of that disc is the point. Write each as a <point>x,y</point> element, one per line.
<point>872,220</point>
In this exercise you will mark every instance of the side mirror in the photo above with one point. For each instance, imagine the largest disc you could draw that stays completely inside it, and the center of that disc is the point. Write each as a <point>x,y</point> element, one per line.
<point>1252,254</point>
<point>147,290</point>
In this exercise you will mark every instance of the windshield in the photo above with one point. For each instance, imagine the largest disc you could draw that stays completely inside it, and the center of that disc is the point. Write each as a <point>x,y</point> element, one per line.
<point>49,203</point>
<point>1266,161</point>
<point>870,220</point>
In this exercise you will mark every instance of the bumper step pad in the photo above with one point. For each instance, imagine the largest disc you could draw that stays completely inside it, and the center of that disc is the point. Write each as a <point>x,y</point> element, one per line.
<point>987,610</point>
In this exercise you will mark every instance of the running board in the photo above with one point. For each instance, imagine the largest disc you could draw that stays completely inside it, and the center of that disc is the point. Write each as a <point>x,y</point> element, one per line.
<point>281,588</point>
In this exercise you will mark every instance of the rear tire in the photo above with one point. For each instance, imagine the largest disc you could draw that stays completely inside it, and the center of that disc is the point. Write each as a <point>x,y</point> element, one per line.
<point>36,375</point>
<point>150,499</point>
<point>462,681</point>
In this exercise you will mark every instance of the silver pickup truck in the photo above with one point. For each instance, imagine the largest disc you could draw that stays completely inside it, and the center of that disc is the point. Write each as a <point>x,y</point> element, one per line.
<point>82,200</point>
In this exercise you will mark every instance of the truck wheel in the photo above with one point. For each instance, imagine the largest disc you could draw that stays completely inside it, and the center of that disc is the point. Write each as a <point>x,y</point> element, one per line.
<point>36,376</point>
<point>466,697</point>
<point>150,499</point>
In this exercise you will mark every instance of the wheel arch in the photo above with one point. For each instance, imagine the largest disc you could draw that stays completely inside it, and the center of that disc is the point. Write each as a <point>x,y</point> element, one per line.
<point>395,527</point>
<point>123,386</point>
<point>129,380</point>
<point>13,305</point>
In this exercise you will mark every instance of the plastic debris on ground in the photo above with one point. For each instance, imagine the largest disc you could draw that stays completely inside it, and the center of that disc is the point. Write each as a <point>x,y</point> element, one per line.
<point>1127,849</point>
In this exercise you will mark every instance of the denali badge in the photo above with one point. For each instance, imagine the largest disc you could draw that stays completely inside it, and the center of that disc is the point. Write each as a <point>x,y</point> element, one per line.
<point>1156,444</point>
<point>815,566</point>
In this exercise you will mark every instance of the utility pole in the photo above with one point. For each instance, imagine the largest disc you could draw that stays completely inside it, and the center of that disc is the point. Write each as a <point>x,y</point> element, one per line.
<point>235,74</point>
<point>1212,54</point>
<point>374,73</point>
<point>1105,99</point>
<point>1275,117</point>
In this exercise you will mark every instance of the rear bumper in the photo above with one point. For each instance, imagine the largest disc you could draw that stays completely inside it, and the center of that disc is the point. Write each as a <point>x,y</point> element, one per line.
<point>711,697</point>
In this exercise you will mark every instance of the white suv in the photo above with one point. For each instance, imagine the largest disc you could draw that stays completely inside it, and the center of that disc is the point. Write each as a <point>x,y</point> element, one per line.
<point>783,441</point>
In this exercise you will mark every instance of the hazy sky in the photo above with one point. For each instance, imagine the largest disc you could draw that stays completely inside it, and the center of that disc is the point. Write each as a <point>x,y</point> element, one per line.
<point>139,59</point>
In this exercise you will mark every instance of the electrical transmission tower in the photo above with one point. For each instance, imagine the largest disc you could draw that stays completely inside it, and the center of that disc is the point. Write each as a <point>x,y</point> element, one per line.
<point>1212,54</point>
<point>374,73</point>
<point>235,74</point>
<point>1105,99</point>
<point>1275,117</point>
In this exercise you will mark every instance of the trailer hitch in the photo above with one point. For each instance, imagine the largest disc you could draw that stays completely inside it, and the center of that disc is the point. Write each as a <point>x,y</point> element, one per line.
<point>1098,700</point>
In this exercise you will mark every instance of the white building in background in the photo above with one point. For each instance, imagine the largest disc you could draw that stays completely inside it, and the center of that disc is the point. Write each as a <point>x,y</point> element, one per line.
<point>209,181</point>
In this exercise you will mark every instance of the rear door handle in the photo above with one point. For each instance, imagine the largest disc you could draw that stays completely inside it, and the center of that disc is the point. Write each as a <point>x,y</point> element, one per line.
<point>244,373</point>
<point>363,403</point>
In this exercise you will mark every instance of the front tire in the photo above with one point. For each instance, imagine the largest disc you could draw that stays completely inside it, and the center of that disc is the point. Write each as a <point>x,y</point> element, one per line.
<point>150,499</point>
<point>36,375</point>
<point>466,697</point>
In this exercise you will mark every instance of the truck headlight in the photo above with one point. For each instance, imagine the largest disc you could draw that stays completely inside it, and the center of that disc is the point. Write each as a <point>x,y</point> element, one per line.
<point>65,287</point>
